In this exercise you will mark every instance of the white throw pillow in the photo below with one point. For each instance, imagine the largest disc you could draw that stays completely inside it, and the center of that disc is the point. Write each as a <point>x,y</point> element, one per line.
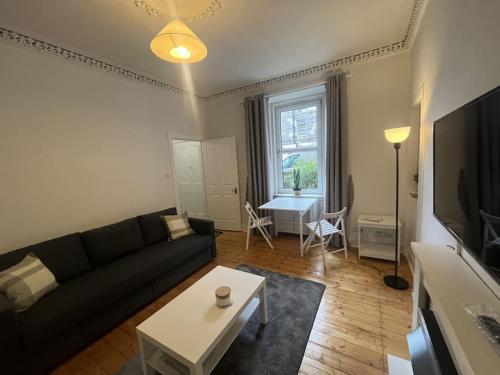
<point>26,282</point>
<point>177,225</point>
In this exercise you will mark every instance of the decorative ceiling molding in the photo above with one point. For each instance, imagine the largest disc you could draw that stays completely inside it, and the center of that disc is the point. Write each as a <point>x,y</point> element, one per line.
<point>76,57</point>
<point>329,66</point>
<point>416,11</point>
<point>185,10</point>
<point>335,64</point>
<point>50,49</point>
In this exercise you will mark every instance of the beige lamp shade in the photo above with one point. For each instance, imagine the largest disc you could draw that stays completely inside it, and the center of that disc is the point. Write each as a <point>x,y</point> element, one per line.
<point>397,135</point>
<point>176,43</point>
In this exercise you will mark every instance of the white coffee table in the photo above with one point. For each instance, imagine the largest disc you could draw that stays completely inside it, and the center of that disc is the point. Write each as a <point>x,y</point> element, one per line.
<point>191,334</point>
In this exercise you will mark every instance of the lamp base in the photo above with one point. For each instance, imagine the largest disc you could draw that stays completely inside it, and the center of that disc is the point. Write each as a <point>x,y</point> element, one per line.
<point>396,282</point>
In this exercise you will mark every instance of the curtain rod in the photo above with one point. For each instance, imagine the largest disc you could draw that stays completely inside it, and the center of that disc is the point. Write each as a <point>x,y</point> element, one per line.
<point>347,74</point>
<point>297,89</point>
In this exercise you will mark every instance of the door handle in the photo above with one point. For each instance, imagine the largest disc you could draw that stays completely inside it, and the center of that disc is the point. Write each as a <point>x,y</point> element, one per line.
<point>235,190</point>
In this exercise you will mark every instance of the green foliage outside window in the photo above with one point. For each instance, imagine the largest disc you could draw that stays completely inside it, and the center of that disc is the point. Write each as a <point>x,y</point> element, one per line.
<point>308,175</point>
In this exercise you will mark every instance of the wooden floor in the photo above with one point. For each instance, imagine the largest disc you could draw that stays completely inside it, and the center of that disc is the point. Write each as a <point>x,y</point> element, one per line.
<point>359,321</point>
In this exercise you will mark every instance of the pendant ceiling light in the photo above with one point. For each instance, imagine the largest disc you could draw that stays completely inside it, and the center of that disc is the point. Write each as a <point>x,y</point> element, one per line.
<point>177,43</point>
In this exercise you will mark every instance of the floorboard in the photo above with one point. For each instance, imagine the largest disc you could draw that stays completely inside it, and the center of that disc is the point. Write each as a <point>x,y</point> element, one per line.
<point>358,323</point>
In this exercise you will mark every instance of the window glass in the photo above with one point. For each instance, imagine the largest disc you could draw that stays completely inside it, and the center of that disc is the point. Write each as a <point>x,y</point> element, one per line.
<point>299,140</point>
<point>304,161</point>
<point>299,128</point>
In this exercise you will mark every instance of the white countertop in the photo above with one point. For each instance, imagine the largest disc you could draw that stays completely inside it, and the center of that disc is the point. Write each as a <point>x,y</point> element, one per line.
<point>190,323</point>
<point>289,204</point>
<point>451,283</point>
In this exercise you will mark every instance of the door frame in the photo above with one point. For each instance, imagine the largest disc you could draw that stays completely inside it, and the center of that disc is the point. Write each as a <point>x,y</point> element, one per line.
<point>418,101</point>
<point>183,137</point>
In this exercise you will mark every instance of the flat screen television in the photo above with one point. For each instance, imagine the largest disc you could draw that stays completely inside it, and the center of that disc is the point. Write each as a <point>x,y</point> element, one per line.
<point>467,178</point>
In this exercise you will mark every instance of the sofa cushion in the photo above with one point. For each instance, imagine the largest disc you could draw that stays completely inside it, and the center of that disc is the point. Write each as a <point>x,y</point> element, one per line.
<point>152,227</point>
<point>169,254</point>
<point>78,299</point>
<point>65,256</point>
<point>74,301</point>
<point>113,241</point>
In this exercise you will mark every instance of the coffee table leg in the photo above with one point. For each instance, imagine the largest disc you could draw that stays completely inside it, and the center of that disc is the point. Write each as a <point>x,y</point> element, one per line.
<point>146,370</point>
<point>196,369</point>
<point>263,304</point>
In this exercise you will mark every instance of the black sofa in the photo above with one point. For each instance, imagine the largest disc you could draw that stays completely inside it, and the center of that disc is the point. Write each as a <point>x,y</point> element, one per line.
<point>104,276</point>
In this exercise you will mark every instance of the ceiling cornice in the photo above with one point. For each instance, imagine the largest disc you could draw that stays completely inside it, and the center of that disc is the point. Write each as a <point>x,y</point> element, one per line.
<point>41,46</point>
<point>335,64</point>
<point>329,66</point>
<point>47,48</point>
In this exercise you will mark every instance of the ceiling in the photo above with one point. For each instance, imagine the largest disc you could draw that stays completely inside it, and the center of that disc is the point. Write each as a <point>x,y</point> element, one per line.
<point>248,40</point>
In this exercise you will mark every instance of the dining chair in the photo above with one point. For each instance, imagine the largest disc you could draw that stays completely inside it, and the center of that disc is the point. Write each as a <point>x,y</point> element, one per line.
<point>259,223</point>
<point>490,235</point>
<point>324,230</point>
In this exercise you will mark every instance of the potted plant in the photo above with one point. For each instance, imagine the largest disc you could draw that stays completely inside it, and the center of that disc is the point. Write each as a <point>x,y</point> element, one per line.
<point>296,182</point>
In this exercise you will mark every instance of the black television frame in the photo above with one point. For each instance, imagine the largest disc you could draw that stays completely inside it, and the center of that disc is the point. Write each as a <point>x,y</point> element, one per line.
<point>453,234</point>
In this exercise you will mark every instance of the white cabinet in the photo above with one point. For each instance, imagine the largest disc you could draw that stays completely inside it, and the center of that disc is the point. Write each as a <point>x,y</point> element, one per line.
<point>376,236</point>
<point>445,279</point>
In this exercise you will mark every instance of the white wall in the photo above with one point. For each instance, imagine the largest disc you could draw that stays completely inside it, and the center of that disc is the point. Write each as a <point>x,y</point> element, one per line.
<point>378,93</point>
<point>80,148</point>
<point>377,100</point>
<point>455,58</point>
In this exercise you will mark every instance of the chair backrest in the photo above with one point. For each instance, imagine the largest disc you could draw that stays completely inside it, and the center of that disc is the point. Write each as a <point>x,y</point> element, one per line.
<point>338,216</point>
<point>252,215</point>
<point>489,220</point>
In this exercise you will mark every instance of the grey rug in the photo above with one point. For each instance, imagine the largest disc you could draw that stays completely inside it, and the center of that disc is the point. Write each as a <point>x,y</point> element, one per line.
<point>278,347</point>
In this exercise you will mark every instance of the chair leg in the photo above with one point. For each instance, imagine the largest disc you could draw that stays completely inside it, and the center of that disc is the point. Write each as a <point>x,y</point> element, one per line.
<point>345,245</point>
<point>267,232</point>
<point>265,237</point>
<point>248,238</point>
<point>328,242</point>
<point>323,253</point>
<point>309,241</point>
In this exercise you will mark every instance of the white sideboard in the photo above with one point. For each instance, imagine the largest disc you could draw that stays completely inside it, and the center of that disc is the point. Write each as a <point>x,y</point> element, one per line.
<point>376,236</point>
<point>445,282</point>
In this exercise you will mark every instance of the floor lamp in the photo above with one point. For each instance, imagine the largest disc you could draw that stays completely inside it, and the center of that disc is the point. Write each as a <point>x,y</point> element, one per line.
<point>396,136</point>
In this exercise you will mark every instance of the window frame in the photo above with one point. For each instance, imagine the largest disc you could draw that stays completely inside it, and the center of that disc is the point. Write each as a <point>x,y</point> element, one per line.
<point>275,143</point>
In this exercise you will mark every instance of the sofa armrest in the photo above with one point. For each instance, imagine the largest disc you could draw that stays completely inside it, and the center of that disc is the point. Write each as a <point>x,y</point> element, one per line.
<point>9,337</point>
<point>207,227</point>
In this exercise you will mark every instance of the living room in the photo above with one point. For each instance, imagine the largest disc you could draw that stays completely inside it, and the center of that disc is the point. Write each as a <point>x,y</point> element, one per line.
<point>127,164</point>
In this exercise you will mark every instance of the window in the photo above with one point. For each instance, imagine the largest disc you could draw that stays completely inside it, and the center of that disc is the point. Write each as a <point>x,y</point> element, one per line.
<point>297,126</point>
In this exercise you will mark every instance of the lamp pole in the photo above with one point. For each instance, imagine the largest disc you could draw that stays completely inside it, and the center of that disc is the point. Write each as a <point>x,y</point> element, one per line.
<point>394,281</point>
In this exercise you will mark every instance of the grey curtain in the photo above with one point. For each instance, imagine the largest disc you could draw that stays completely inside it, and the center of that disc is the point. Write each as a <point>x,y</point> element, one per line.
<point>255,119</point>
<point>337,181</point>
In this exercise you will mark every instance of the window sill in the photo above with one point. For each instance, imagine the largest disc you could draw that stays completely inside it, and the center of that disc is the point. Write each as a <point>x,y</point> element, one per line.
<point>291,195</point>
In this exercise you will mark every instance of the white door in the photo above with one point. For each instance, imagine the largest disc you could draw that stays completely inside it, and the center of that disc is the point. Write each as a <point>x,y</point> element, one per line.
<point>221,182</point>
<point>189,180</point>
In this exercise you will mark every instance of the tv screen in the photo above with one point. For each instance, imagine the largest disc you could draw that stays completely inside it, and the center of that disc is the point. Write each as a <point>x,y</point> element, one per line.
<point>467,177</point>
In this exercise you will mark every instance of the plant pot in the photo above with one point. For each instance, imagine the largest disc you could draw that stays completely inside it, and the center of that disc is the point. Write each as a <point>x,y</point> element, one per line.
<point>297,192</point>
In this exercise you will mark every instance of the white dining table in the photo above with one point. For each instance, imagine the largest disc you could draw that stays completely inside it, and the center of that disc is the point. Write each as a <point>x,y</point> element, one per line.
<point>299,205</point>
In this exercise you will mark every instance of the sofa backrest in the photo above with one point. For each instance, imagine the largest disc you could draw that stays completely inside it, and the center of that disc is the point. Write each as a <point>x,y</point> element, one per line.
<point>152,227</point>
<point>65,256</point>
<point>105,244</point>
